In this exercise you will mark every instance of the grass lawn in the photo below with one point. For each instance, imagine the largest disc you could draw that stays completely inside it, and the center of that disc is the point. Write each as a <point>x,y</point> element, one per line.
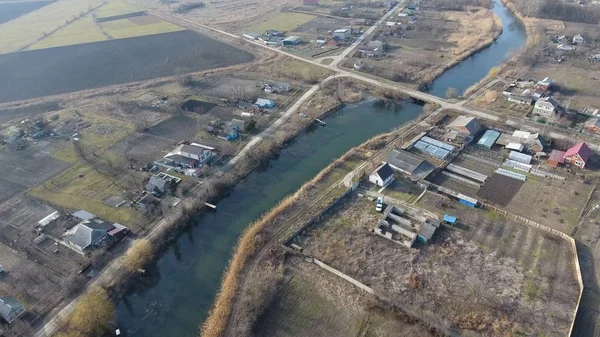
<point>23,30</point>
<point>120,29</point>
<point>116,7</point>
<point>81,187</point>
<point>84,30</point>
<point>282,22</point>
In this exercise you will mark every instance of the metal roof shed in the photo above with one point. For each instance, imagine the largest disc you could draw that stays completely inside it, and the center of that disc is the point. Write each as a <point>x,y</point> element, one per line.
<point>449,219</point>
<point>520,157</point>
<point>488,139</point>
<point>515,146</point>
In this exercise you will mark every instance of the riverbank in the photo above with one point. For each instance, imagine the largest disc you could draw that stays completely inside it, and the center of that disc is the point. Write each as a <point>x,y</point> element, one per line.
<point>533,37</point>
<point>251,279</point>
<point>465,54</point>
<point>322,103</point>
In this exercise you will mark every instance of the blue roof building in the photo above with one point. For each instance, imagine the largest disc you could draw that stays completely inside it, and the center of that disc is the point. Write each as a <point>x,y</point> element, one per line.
<point>449,219</point>
<point>265,103</point>
<point>488,139</point>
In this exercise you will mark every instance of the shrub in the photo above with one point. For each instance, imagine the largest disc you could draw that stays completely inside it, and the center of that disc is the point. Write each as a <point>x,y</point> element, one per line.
<point>138,255</point>
<point>91,316</point>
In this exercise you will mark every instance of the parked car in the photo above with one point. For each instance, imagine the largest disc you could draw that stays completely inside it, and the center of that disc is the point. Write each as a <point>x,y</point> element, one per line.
<point>379,205</point>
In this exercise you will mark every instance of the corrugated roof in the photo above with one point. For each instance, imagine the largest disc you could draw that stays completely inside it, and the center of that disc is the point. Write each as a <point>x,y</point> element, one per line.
<point>404,160</point>
<point>438,143</point>
<point>84,215</point>
<point>515,146</point>
<point>557,156</point>
<point>520,157</point>
<point>449,218</point>
<point>489,138</point>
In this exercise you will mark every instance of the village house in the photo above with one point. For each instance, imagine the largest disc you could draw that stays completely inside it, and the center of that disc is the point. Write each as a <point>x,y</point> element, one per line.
<point>578,155</point>
<point>342,34</point>
<point>534,142</point>
<point>158,186</point>
<point>592,125</point>
<point>546,106</point>
<point>190,155</point>
<point>382,175</point>
<point>88,235</point>
<point>466,126</point>
<point>372,49</point>
<point>578,39</point>
<point>545,83</point>
<point>11,309</point>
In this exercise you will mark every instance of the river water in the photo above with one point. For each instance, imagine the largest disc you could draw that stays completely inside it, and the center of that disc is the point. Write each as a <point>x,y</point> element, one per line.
<point>181,285</point>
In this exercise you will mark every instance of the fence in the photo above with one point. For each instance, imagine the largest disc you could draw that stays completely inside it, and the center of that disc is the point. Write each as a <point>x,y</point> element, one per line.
<point>563,236</point>
<point>309,222</point>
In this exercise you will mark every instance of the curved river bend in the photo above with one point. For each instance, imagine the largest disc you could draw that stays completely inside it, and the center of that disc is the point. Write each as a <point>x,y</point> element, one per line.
<point>183,282</point>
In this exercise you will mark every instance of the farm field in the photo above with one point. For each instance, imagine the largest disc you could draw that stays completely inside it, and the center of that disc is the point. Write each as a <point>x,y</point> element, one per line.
<point>18,33</point>
<point>111,62</point>
<point>283,22</point>
<point>509,262</point>
<point>84,30</point>
<point>116,8</point>
<point>11,10</point>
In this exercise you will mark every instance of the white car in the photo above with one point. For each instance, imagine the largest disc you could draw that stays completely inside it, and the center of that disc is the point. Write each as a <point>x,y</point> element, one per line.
<point>379,205</point>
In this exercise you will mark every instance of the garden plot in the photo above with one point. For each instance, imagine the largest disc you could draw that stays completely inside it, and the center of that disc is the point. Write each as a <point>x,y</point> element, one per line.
<point>500,189</point>
<point>508,263</point>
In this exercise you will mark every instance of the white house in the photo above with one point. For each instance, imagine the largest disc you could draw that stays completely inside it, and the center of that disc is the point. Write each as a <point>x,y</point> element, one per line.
<point>382,175</point>
<point>578,39</point>
<point>545,106</point>
<point>342,34</point>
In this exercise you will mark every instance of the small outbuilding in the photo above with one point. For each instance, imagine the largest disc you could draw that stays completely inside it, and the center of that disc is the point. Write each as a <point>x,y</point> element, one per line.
<point>449,219</point>
<point>556,158</point>
<point>488,139</point>
<point>592,125</point>
<point>515,147</point>
<point>578,39</point>
<point>428,228</point>
<point>291,41</point>
<point>264,103</point>
<point>251,35</point>
<point>342,34</point>
<point>382,175</point>
<point>11,309</point>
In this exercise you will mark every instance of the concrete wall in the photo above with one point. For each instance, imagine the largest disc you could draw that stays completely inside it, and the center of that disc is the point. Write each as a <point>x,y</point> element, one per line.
<point>342,275</point>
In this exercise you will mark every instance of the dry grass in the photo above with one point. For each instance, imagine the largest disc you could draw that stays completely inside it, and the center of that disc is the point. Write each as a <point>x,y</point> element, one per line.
<point>475,31</point>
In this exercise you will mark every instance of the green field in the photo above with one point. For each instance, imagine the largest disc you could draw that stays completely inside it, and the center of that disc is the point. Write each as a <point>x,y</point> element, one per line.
<point>120,29</point>
<point>284,22</point>
<point>84,30</point>
<point>21,31</point>
<point>116,7</point>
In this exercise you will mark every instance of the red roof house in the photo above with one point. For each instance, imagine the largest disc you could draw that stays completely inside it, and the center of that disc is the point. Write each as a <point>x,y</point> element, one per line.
<point>556,158</point>
<point>578,155</point>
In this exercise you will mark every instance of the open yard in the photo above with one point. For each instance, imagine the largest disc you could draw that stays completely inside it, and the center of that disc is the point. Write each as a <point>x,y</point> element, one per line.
<point>315,303</point>
<point>511,279</point>
<point>112,63</point>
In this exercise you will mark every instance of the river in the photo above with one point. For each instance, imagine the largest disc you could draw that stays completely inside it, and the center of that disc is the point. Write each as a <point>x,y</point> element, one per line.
<point>181,285</point>
<point>476,67</point>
